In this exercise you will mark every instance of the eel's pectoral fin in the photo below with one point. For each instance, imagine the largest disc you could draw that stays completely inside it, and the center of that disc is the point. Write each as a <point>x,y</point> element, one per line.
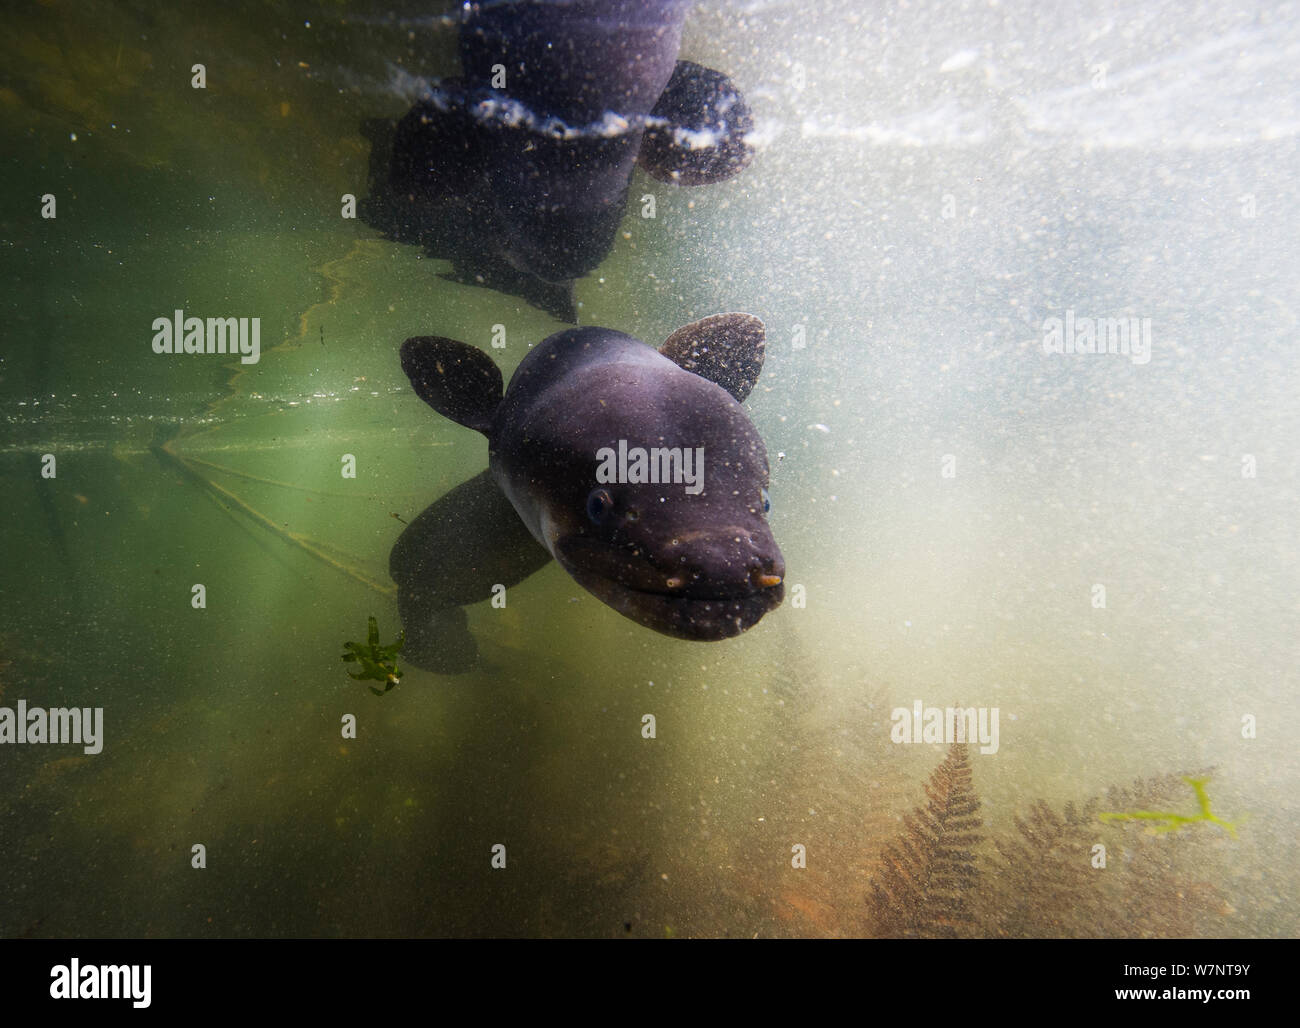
<point>698,130</point>
<point>455,379</point>
<point>727,349</point>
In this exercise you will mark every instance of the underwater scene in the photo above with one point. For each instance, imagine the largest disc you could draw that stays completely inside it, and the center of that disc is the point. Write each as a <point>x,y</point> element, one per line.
<point>631,469</point>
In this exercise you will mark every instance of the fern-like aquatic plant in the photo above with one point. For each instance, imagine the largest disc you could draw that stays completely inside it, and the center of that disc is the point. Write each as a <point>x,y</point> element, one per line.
<point>927,875</point>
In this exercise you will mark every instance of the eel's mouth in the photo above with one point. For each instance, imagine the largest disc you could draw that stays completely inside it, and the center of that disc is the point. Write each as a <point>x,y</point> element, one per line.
<point>703,609</point>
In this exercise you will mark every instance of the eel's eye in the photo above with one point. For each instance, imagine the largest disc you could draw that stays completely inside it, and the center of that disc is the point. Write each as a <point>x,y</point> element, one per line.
<point>600,504</point>
<point>767,500</point>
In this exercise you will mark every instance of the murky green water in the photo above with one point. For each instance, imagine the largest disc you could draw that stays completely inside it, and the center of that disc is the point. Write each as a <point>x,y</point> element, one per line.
<point>930,186</point>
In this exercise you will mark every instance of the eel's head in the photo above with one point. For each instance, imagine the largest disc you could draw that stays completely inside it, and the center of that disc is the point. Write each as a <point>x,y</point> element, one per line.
<point>690,555</point>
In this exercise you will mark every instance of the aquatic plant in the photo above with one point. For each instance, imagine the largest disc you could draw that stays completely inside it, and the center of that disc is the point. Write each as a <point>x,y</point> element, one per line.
<point>1054,877</point>
<point>1174,821</point>
<point>1049,877</point>
<point>377,662</point>
<point>928,873</point>
<point>1044,884</point>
